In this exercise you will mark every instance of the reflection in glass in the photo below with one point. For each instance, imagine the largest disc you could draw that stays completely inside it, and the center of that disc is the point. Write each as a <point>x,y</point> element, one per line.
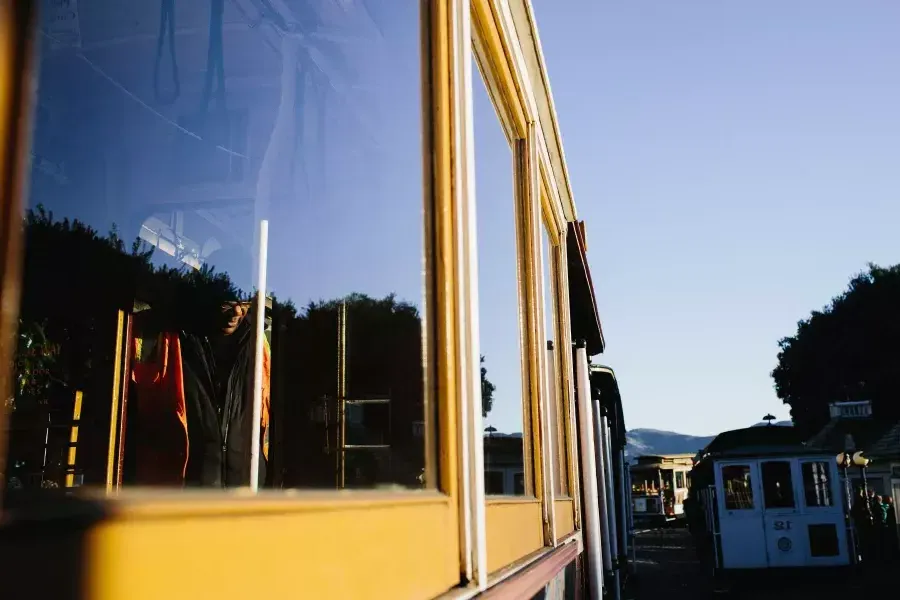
<point>778,487</point>
<point>738,486</point>
<point>816,483</point>
<point>165,134</point>
<point>501,372</point>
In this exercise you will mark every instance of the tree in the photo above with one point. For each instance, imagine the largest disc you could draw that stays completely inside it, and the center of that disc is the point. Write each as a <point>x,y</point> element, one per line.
<point>849,350</point>
<point>487,391</point>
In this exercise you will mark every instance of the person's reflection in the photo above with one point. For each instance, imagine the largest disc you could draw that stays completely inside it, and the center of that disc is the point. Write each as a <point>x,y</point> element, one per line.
<point>194,391</point>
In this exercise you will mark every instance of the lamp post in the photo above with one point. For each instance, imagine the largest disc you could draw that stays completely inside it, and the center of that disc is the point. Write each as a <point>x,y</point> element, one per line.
<point>862,462</point>
<point>844,461</point>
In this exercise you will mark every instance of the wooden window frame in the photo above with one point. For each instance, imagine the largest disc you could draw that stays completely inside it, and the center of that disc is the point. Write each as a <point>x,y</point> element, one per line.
<point>564,507</point>
<point>517,527</point>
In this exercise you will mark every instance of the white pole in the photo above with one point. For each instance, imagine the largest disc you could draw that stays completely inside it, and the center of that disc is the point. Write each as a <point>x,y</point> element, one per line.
<point>611,504</point>
<point>591,512</point>
<point>601,479</point>
<point>632,540</point>
<point>610,488</point>
<point>260,316</point>
<point>623,503</point>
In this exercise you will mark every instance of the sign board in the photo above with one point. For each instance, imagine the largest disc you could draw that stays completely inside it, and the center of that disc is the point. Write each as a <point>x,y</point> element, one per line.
<point>61,23</point>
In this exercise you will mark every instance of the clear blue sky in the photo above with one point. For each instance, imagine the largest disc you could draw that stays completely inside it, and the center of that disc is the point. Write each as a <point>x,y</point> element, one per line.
<point>736,163</point>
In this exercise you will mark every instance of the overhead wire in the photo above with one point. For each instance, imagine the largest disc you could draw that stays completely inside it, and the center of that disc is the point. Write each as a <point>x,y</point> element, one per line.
<point>112,80</point>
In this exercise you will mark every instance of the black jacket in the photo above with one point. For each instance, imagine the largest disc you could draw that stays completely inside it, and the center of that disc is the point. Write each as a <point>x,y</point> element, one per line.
<point>218,387</point>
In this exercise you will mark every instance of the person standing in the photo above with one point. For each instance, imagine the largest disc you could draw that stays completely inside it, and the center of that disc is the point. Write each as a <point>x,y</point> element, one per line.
<point>892,545</point>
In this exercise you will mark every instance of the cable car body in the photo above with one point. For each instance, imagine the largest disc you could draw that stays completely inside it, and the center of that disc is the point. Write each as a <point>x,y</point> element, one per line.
<point>762,507</point>
<point>659,487</point>
<point>374,485</point>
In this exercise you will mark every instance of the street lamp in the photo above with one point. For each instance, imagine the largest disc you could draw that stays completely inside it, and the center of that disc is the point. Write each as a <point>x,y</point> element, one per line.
<point>844,460</point>
<point>862,462</point>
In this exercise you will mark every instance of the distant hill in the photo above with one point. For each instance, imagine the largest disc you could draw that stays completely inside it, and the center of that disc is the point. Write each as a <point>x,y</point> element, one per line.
<point>654,441</point>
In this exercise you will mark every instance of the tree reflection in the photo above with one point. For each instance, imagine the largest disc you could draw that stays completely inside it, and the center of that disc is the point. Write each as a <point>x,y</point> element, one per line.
<point>75,282</point>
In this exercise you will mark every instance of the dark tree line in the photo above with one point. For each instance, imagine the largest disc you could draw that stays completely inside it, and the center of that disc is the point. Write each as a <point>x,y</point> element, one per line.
<point>849,350</point>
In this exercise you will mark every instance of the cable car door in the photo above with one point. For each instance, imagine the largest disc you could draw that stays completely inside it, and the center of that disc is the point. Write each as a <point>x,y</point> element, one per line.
<point>784,532</point>
<point>740,515</point>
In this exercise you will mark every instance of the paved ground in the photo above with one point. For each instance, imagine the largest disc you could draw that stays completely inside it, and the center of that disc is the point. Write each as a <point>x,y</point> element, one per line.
<point>667,569</point>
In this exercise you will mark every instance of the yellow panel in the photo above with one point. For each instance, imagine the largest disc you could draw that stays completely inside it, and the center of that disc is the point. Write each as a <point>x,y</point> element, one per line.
<point>514,530</point>
<point>564,515</point>
<point>366,548</point>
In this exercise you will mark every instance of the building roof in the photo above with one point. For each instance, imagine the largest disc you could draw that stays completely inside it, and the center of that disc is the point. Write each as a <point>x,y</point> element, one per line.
<point>761,440</point>
<point>875,437</point>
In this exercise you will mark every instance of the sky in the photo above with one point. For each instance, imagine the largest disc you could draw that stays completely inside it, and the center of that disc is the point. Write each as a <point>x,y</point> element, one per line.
<point>735,164</point>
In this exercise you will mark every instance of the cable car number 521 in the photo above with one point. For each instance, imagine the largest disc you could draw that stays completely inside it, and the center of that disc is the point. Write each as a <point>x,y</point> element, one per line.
<point>782,525</point>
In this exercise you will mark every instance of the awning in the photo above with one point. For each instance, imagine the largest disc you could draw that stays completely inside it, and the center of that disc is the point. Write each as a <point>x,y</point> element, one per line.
<point>582,302</point>
<point>604,384</point>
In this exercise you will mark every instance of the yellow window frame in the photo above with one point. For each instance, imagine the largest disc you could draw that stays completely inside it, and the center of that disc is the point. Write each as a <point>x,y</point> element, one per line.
<point>555,214</point>
<point>564,508</point>
<point>516,527</point>
<point>409,542</point>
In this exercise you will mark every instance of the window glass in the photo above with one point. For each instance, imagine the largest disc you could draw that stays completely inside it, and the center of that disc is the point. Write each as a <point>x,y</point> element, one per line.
<point>667,478</point>
<point>555,399</point>
<point>738,487</point>
<point>519,484</point>
<point>778,487</point>
<point>494,482</point>
<point>816,484</point>
<point>167,136</point>
<point>679,480</point>
<point>502,398</point>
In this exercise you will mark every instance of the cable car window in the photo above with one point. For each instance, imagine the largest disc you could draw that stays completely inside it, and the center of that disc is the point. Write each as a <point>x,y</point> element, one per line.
<point>778,485</point>
<point>504,401</point>
<point>679,480</point>
<point>223,275</point>
<point>555,397</point>
<point>738,487</point>
<point>816,484</point>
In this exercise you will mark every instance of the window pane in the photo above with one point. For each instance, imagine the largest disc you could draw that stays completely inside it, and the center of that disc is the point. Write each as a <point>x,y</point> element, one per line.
<point>738,487</point>
<point>498,291</point>
<point>778,487</point>
<point>679,480</point>
<point>494,482</point>
<point>160,147</point>
<point>554,391</point>
<point>816,485</point>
